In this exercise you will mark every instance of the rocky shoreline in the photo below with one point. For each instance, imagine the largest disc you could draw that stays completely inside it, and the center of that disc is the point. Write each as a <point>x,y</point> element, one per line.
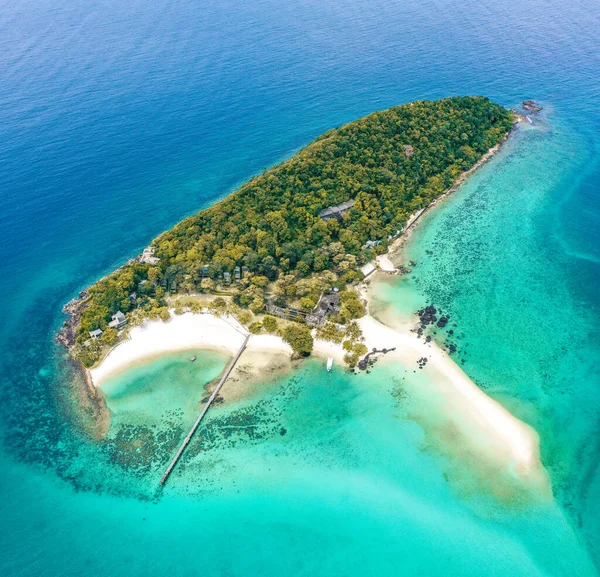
<point>68,331</point>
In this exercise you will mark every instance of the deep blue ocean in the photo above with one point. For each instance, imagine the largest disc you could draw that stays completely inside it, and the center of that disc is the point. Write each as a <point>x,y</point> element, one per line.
<point>118,119</point>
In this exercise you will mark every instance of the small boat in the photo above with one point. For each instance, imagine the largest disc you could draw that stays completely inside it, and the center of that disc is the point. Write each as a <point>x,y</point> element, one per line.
<point>192,359</point>
<point>329,364</point>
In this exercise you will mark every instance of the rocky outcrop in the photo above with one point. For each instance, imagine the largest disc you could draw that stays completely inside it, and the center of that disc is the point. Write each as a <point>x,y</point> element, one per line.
<point>531,106</point>
<point>68,332</point>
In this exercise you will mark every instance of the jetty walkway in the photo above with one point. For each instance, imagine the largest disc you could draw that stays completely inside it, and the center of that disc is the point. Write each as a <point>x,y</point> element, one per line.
<point>214,394</point>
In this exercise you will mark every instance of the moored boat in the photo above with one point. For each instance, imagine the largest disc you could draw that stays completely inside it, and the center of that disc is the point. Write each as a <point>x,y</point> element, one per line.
<point>329,364</point>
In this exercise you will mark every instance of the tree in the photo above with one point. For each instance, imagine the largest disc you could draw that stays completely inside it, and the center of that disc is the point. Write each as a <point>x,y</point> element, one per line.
<point>355,309</point>
<point>299,338</point>
<point>87,356</point>
<point>351,359</point>
<point>110,336</point>
<point>354,352</point>
<point>255,328</point>
<point>259,281</point>
<point>307,304</point>
<point>270,324</point>
<point>271,225</point>
<point>330,332</point>
<point>257,305</point>
<point>218,306</point>
<point>153,275</point>
<point>353,331</point>
<point>244,317</point>
<point>207,285</point>
<point>360,349</point>
<point>352,307</point>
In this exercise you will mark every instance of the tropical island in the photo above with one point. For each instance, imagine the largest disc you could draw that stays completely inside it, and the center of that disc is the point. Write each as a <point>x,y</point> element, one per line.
<point>278,268</point>
<point>294,241</point>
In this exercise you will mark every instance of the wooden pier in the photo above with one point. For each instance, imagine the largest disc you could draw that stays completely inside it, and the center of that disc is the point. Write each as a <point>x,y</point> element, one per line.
<point>212,397</point>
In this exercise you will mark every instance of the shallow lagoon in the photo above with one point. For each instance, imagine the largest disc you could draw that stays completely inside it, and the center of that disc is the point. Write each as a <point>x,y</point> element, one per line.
<point>334,464</point>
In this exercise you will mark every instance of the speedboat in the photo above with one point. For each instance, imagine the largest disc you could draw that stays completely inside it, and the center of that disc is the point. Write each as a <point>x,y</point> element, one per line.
<point>329,364</point>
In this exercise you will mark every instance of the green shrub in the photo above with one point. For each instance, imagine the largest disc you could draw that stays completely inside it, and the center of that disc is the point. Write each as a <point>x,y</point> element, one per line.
<point>299,338</point>
<point>270,324</point>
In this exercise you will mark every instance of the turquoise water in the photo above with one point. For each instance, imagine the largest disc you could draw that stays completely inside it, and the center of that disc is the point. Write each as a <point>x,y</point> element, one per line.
<point>496,257</point>
<point>349,458</point>
<point>119,119</point>
<point>169,386</point>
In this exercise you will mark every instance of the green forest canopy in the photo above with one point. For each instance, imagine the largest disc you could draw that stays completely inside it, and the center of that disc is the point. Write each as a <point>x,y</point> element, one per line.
<point>391,163</point>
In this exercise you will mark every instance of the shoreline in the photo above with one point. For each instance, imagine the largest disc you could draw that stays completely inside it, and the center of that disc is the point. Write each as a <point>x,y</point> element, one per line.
<point>457,414</point>
<point>398,243</point>
<point>486,433</point>
<point>381,264</point>
<point>188,332</point>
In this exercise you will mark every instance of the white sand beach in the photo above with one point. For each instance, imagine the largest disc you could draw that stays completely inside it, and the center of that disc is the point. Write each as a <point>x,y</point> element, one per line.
<point>194,331</point>
<point>385,264</point>
<point>485,428</point>
<point>486,431</point>
<point>183,332</point>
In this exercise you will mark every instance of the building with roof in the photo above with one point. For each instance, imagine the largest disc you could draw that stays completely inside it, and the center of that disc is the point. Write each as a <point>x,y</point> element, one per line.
<point>96,334</point>
<point>118,320</point>
<point>148,256</point>
<point>328,304</point>
<point>371,244</point>
<point>337,210</point>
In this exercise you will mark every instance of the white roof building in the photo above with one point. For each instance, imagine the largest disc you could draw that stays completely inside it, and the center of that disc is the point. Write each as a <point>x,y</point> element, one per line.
<point>118,320</point>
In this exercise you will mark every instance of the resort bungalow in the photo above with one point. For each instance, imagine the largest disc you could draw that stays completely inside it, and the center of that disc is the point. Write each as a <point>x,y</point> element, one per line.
<point>118,320</point>
<point>328,304</point>
<point>336,211</point>
<point>371,244</point>
<point>96,334</point>
<point>148,256</point>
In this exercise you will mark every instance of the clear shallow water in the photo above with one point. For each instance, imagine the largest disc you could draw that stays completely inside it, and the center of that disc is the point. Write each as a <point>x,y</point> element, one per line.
<point>348,482</point>
<point>497,257</point>
<point>117,121</point>
<point>169,385</point>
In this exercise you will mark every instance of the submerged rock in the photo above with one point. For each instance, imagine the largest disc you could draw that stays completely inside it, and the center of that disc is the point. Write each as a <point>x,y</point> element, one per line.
<point>531,106</point>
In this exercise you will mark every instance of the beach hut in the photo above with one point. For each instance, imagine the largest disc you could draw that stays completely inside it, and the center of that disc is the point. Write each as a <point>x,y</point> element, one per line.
<point>118,320</point>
